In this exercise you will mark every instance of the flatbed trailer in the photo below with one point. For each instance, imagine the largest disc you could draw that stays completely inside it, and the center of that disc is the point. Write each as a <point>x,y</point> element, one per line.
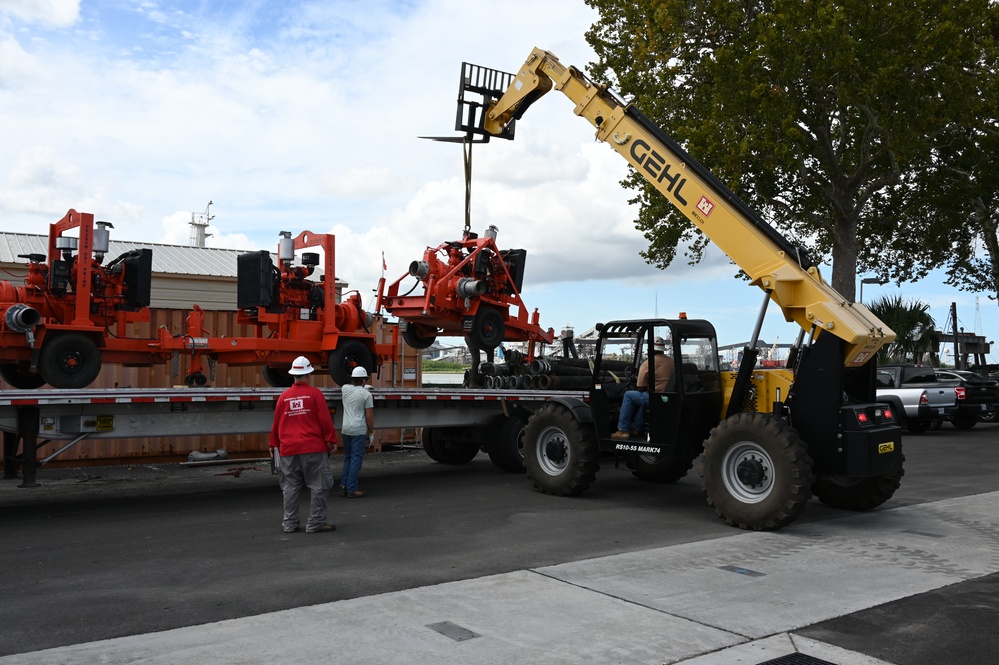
<point>457,422</point>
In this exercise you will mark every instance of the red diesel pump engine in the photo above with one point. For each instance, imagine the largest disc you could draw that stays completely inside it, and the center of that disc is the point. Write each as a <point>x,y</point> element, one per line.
<point>71,315</point>
<point>52,325</point>
<point>470,288</point>
<point>292,313</point>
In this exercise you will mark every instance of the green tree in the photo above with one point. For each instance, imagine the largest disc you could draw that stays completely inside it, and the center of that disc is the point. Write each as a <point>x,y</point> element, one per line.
<point>816,112</point>
<point>956,202</point>
<point>913,325</point>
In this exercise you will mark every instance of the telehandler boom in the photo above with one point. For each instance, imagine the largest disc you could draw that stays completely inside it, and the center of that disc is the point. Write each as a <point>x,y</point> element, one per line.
<point>777,436</point>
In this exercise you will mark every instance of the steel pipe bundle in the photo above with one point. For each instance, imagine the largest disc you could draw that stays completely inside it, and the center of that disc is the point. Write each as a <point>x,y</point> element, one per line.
<point>494,369</point>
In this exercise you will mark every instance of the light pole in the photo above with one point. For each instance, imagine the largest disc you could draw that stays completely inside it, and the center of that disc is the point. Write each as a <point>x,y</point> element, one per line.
<point>868,280</point>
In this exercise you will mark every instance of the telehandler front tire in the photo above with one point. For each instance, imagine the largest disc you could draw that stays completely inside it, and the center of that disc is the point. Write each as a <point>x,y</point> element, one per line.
<point>756,472</point>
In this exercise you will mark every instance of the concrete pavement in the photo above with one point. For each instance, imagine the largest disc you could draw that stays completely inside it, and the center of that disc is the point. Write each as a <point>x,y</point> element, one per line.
<point>747,598</point>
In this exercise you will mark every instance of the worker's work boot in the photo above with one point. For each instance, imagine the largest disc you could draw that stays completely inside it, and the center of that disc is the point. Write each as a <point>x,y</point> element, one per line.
<point>620,435</point>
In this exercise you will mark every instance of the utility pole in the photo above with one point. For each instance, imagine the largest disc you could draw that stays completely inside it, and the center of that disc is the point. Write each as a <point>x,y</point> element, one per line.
<point>957,345</point>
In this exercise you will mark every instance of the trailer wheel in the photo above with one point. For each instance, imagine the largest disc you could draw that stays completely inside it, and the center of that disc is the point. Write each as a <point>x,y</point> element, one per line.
<point>488,327</point>
<point>860,494</point>
<point>428,443</point>
<point>276,377</point>
<point>505,443</point>
<point>70,360</point>
<point>418,336</point>
<point>348,355</point>
<point>455,445</point>
<point>561,454</point>
<point>20,378</point>
<point>964,422</point>
<point>756,472</point>
<point>653,470</point>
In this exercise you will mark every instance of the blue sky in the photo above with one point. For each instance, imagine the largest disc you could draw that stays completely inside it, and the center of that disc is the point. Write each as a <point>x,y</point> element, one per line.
<point>305,116</point>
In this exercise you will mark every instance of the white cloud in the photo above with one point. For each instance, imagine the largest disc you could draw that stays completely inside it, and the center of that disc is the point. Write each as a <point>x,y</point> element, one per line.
<point>56,13</point>
<point>16,65</point>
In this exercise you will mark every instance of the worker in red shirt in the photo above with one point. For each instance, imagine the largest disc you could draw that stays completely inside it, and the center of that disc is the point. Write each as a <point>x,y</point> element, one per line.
<point>304,436</point>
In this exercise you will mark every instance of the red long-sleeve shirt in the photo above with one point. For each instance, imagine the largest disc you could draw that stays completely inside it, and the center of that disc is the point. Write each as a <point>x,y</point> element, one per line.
<point>302,422</point>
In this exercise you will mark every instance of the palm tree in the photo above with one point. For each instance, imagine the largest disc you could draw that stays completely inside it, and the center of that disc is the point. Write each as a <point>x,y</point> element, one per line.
<point>913,325</point>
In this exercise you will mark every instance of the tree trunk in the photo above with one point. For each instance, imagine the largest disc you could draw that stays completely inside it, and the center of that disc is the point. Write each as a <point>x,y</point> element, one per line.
<point>844,254</point>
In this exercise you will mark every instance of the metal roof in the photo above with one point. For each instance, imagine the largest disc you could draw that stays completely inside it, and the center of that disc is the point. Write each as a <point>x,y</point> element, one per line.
<point>167,259</point>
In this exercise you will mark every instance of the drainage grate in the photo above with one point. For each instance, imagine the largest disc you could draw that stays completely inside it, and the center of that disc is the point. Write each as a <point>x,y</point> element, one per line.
<point>797,659</point>
<point>743,571</point>
<point>453,630</point>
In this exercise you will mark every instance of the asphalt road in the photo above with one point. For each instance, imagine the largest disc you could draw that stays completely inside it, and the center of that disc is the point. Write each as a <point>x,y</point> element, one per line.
<point>105,552</point>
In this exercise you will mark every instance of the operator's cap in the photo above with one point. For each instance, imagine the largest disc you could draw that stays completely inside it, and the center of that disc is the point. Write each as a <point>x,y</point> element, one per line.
<point>301,366</point>
<point>659,344</point>
<point>359,373</point>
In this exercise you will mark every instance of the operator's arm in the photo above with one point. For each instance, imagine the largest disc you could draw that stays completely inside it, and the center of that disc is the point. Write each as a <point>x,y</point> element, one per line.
<point>643,377</point>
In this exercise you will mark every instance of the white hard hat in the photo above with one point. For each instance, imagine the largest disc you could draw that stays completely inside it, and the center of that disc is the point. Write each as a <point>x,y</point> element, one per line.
<point>301,366</point>
<point>359,373</point>
<point>659,344</point>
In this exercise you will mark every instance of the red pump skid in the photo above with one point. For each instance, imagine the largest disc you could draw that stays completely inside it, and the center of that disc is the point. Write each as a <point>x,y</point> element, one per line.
<point>295,328</point>
<point>462,280</point>
<point>88,306</point>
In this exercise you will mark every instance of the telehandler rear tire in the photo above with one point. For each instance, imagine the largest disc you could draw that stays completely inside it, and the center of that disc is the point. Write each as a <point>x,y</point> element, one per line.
<point>756,472</point>
<point>561,454</point>
<point>649,469</point>
<point>69,360</point>
<point>857,493</point>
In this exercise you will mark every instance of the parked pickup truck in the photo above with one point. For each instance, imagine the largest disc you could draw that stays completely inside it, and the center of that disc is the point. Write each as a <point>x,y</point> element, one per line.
<point>916,393</point>
<point>977,398</point>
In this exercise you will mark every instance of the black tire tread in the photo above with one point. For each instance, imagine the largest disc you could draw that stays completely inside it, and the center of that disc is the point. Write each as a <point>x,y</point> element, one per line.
<point>502,438</point>
<point>787,450</point>
<point>584,451</point>
<point>866,494</point>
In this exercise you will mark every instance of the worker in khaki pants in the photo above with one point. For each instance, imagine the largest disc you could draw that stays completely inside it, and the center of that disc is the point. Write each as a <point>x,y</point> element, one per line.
<point>357,428</point>
<point>304,435</point>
